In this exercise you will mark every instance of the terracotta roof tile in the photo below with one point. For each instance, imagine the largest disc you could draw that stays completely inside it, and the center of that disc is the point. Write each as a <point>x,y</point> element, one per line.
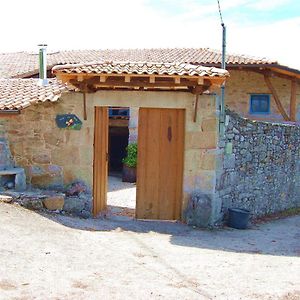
<point>142,68</point>
<point>20,93</point>
<point>24,64</point>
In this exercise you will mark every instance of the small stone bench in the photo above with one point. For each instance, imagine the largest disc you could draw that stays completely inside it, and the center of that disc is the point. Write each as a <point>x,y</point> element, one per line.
<point>19,178</point>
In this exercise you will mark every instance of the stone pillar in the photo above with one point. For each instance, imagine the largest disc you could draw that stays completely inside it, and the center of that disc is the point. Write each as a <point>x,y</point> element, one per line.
<point>133,125</point>
<point>203,207</point>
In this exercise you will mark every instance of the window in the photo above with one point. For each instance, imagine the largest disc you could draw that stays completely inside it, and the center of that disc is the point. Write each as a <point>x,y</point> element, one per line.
<point>118,112</point>
<point>260,104</point>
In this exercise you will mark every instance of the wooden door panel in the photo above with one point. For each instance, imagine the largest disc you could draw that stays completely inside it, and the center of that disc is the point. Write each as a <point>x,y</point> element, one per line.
<point>160,163</point>
<point>100,160</point>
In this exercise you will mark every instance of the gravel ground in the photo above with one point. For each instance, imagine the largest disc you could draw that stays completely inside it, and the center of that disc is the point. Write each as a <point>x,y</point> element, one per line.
<point>59,257</point>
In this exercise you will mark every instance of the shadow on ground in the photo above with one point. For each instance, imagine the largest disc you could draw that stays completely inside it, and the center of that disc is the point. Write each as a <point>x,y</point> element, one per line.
<point>280,237</point>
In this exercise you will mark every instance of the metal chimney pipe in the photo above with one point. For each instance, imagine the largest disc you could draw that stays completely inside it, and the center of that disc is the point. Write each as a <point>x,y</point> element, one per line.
<point>43,64</point>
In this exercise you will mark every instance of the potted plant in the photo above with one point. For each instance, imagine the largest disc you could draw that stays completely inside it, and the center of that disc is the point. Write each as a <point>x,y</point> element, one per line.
<point>130,163</point>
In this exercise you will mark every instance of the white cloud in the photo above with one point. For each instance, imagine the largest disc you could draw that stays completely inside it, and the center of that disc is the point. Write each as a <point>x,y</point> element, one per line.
<point>276,41</point>
<point>137,24</point>
<point>267,4</point>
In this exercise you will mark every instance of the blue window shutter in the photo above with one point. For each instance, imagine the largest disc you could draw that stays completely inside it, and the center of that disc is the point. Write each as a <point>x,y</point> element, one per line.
<point>259,104</point>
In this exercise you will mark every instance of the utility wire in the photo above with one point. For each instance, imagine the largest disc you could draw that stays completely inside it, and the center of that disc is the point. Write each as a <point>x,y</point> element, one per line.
<point>220,12</point>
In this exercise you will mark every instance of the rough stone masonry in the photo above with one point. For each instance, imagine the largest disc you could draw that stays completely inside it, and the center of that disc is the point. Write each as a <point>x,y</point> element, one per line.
<point>261,166</point>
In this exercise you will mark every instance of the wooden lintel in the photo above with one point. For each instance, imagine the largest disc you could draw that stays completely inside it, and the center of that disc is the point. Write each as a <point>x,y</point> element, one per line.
<point>293,100</point>
<point>9,113</point>
<point>103,78</point>
<point>127,78</point>
<point>276,98</point>
<point>177,80</point>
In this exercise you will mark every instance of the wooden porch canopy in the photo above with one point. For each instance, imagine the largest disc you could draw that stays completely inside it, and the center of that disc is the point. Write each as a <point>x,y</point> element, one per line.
<point>89,78</point>
<point>140,76</point>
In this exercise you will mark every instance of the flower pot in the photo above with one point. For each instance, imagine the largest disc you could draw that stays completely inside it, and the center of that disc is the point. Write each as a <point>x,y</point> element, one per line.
<point>238,218</point>
<point>129,174</point>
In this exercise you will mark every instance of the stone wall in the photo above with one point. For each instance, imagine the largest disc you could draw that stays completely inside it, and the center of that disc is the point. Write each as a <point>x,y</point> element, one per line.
<point>241,84</point>
<point>54,157</point>
<point>201,137</point>
<point>260,170</point>
<point>6,159</point>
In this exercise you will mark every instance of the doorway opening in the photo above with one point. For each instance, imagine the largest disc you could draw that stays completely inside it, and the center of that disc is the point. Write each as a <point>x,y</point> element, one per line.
<point>159,169</point>
<point>121,196</point>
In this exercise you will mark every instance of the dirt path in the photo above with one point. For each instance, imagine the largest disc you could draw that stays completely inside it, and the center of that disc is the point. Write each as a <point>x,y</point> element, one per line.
<point>58,257</point>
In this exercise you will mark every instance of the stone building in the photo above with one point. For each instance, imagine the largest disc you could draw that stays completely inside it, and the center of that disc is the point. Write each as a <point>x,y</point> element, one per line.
<point>35,136</point>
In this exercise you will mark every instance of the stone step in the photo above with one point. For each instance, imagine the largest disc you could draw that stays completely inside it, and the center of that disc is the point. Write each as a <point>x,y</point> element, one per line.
<point>55,202</point>
<point>35,200</point>
<point>6,198</point>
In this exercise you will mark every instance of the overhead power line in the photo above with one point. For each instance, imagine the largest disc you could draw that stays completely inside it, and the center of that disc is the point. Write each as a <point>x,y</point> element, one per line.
<point>220,12</point>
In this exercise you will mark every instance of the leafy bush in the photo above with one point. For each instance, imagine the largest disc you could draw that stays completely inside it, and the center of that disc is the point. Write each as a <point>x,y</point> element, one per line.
<point>131,159</point>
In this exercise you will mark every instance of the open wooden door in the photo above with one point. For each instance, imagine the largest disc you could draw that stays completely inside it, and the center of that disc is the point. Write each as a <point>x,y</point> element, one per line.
<point>160,163</point>
<point>100,160</point>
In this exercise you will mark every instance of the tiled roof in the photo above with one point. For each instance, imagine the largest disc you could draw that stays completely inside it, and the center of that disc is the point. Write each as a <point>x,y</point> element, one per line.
<point>24,64</point>
<point>142,68</point>
<point>20,93</point>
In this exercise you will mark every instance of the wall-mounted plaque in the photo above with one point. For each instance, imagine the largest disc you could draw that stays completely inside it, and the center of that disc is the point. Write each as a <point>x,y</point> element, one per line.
<point>68,121</point>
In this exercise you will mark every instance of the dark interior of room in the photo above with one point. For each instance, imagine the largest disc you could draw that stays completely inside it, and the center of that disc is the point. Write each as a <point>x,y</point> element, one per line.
<point>118,141</point>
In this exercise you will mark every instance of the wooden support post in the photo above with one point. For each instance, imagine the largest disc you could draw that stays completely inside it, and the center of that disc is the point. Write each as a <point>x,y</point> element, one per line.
<point>293,101</point>
<point>196,107</point>
<point>84,106</point>
<point>276,98</point>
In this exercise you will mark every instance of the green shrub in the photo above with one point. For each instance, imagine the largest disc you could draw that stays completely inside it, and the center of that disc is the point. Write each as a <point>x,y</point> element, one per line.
<point>131,159</point>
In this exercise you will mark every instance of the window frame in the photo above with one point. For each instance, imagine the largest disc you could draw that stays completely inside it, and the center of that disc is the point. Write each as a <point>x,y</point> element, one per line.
<point>260,113</point>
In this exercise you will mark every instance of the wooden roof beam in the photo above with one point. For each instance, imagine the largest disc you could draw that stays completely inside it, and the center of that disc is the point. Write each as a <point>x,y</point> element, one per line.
<point>293,101</point>
<point>150,77</point>
<point>265,70</point>
<point>276,98</point>
<point>133,82</point>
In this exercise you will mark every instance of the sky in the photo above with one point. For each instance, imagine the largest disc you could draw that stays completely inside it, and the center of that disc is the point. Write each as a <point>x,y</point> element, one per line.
<point>263,28</point>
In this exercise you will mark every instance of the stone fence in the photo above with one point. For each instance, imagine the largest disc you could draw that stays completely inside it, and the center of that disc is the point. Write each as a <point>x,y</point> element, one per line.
<point>260,170</point>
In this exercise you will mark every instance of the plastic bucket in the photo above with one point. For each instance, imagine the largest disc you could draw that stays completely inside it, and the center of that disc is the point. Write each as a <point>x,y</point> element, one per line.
<point>238,218</point>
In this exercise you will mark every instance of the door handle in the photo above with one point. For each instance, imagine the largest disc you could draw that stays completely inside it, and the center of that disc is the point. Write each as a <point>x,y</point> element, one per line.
<point>169,133</point>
